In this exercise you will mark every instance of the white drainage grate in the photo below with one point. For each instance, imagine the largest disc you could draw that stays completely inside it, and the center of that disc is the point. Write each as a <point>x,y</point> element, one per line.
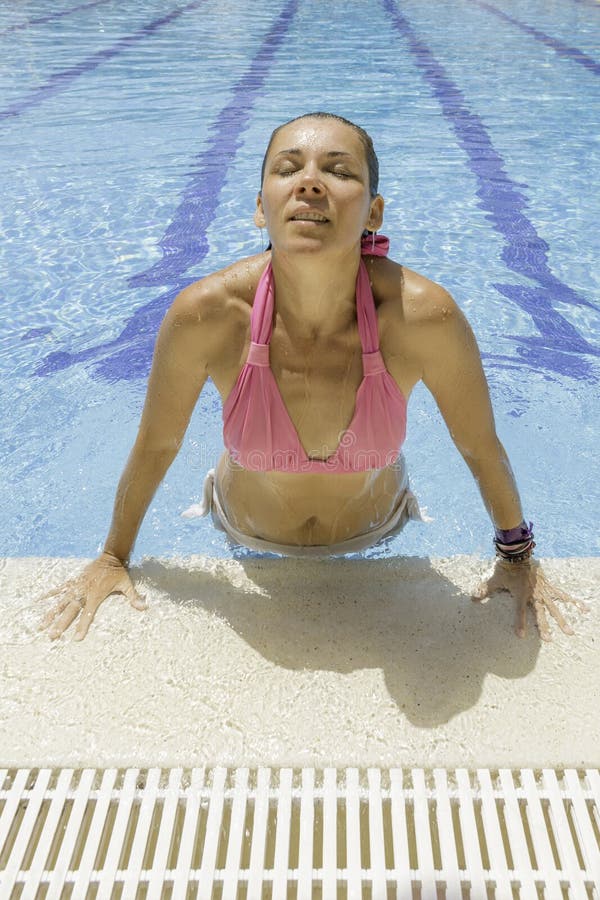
<point>299,834</point>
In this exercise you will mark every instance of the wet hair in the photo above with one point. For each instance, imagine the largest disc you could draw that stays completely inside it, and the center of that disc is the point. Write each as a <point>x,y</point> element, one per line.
<point>370,155</point>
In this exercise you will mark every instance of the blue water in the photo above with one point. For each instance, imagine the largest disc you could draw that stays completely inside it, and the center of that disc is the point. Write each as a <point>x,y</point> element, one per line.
<point>131,138</point>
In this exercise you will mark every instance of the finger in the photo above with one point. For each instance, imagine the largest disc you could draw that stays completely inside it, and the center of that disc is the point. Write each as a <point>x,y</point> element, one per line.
<point>487,587</point>
<point>85,620</point>
<point>542,621</point>
<point>521,620</point>
<point>53,613</point>
<point>58,590</point>
<point>480,592</point>
<point>566,598</point>
<point>558,617</point>
<point>69,613</point>
<point>137,600</point>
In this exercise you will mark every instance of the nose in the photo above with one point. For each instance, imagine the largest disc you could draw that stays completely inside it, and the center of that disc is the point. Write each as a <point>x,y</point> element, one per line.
<point>309,183</point>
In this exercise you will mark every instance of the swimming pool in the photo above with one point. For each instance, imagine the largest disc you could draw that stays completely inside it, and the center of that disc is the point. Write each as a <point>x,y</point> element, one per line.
<point>132,137</point>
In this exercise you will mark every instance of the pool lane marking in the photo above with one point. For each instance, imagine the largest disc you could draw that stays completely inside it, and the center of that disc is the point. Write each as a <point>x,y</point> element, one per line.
<point>60,81</point>
<point>49,18</point>
<point>185,242</point>
<point>525,252</point>
<point>560,47</point>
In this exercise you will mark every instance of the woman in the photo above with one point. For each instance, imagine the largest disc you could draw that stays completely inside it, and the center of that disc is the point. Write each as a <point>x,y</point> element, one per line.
<point>314,346</point>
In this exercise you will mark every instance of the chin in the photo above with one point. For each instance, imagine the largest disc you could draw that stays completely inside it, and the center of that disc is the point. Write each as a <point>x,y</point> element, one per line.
<point>310,244</point>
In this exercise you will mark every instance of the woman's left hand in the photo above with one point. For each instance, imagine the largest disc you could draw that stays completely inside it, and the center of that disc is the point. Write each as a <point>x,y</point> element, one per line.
<point>530,587</point>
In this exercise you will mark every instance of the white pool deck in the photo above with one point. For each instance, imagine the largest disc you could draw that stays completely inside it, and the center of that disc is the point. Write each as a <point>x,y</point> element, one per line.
<point>293,663</point>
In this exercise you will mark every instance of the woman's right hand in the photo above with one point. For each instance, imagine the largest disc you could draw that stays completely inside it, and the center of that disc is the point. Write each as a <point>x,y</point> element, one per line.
<point>81,596</point>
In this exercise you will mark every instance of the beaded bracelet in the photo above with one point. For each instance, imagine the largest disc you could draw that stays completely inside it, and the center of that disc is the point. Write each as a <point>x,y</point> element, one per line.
<point>515,544</point>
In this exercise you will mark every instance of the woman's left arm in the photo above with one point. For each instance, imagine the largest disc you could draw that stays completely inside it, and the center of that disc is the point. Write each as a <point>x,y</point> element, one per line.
<point>452,371</point>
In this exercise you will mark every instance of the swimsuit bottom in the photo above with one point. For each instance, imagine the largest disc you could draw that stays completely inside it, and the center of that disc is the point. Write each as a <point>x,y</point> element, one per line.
<point>407,508</point>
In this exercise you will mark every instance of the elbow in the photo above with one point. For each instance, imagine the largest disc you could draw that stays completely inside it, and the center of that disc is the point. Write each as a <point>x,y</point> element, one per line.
<point>484,449</point>
<point>155,446</point>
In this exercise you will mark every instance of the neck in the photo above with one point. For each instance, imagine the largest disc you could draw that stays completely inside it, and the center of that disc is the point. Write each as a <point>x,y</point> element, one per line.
<point>315,296</point>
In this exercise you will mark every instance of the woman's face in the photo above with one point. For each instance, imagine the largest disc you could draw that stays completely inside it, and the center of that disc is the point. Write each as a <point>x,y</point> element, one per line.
<point>315,192</point>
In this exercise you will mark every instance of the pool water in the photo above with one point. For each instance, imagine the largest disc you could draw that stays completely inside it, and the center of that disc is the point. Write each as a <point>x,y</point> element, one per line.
<point>131,139</point>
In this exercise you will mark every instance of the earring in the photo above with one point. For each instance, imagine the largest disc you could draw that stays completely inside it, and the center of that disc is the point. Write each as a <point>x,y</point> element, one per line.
<point>262,241</point>
<point>373,233</point>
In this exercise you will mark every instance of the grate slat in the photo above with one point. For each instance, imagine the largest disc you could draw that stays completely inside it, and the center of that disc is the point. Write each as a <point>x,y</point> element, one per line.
<point>131,833</point>
<point>446,834</point>
<point>108,873</point>
<point>259,833</point>
<point>539,835</point>
<point>213,829</point>
<point>376,839</point>
<point>423,832</point>
<point>84,873</point>
<point>562,832</point>
<point>134,868</point>
<point>588,842</point>
<point>329,833</point>
<point>59,795</point>
<point>307,820</point>
<point>516,833</point>
<point>186,844</point>
<point>400,837</point>
<point>165,835</point>
<point>493,836</point>
<point>470,837</point>
<point>10,809</point>
<point>282,835</point>
<point>353,858</point>
<point>236,835</point>
<point>57,880</point>
<point>21,846</point>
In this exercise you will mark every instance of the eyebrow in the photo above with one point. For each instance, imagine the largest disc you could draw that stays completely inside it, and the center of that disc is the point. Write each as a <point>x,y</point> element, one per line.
<point>295,151</point>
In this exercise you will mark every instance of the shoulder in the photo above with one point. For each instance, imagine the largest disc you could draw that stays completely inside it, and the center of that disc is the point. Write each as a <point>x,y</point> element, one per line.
<point>420,324</point>
<point>410,297</point>
<point>208,320</point>
<point>216,296</point>
<point>212,296</point>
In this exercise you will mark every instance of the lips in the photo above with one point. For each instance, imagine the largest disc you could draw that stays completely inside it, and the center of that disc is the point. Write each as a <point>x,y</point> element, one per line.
<point>309,216</point>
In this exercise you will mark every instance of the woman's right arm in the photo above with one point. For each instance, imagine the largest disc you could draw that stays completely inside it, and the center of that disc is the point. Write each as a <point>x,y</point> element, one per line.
<point>179,371</point>
<point>186,340</point>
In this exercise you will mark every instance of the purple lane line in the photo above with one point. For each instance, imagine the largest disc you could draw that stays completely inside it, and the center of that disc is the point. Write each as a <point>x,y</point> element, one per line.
<point>185,242</point>
<point>60,81</point>
<point>49,18</point>
<point>561,48</point>
<point>525,252</point>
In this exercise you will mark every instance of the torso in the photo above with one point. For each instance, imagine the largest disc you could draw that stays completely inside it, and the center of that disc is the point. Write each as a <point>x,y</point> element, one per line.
<point>318,381</point>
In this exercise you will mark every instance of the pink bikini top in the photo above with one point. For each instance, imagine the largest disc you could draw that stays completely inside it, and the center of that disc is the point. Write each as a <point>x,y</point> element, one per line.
<point>257,429</point>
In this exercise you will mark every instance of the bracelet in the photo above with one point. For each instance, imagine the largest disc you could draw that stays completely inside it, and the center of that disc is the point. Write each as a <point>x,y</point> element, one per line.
<point>515,544</point>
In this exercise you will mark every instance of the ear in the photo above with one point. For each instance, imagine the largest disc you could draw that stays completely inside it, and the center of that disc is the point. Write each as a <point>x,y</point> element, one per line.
<point>259,215</point>
<point>375,218</point>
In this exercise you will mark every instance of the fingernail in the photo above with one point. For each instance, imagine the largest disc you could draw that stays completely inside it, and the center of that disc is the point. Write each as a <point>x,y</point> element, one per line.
<point>77,636</point>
